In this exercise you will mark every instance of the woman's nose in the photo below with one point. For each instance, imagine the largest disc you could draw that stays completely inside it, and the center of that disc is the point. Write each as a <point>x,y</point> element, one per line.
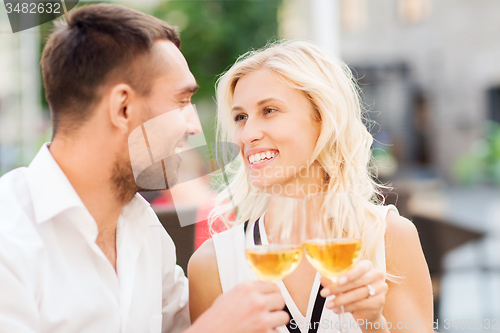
<point>251,132</point>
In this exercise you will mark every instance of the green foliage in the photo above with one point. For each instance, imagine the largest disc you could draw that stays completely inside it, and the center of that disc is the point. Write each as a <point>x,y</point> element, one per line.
<point>215,33</point>
<point>482,163</point>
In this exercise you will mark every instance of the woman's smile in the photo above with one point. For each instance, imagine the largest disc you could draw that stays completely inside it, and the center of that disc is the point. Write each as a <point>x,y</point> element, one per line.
<point>261,159</point>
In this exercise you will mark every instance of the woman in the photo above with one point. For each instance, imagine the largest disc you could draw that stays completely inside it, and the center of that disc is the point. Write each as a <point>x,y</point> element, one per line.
<point>295,114</point>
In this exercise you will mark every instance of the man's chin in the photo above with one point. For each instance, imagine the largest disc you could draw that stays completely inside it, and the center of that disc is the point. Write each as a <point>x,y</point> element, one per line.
<point>161,175</point>
<point>165,185</point>
<point>140,189</point>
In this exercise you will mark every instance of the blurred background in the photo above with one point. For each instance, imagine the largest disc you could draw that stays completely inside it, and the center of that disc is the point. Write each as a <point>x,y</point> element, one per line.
<point>429,71</point>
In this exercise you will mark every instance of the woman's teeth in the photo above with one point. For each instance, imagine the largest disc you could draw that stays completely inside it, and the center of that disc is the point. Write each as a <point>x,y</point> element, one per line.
<point>261,157</point>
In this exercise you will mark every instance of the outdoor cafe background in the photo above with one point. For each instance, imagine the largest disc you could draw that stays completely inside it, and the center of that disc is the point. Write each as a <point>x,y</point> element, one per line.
<point>430,75</point>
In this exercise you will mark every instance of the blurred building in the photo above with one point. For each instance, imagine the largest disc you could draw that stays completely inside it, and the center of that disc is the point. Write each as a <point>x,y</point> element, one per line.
<point>430,78</point>
<point>21,122</point>
<point>429,70</point>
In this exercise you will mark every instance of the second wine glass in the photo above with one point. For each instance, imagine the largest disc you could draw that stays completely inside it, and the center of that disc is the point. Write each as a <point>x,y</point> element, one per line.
<point>273,242</point>
<point>332,236</point>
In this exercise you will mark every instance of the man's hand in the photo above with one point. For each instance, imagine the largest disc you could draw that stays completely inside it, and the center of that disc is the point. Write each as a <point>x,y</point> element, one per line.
<point>251,307</point>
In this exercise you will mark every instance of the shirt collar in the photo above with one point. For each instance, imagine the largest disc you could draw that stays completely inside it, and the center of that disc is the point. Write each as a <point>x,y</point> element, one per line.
<point>51,191</point>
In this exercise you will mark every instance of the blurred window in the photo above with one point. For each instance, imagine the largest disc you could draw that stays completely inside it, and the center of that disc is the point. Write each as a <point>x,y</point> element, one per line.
<point>414,11</point>
<point>353,15</point>
<point>494,104</point>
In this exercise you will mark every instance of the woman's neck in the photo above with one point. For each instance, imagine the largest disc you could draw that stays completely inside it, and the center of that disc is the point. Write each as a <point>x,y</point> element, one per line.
<point>307,182</point>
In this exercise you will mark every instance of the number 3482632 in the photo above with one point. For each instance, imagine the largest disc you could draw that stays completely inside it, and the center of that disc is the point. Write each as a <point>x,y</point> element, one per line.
<point>33,8</point>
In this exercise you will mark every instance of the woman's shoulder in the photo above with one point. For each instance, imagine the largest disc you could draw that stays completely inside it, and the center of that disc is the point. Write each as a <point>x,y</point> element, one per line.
<point>402,244</point>
<point>203,261</point>
<point>205,251</point>
<point>383,210</point>
<point>205,257</point>
<point>399,226</point>
<point>401,233</point>
<point>396,225</point>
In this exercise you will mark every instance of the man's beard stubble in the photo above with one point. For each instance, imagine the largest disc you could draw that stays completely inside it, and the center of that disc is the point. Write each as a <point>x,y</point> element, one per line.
<point>124,183</point>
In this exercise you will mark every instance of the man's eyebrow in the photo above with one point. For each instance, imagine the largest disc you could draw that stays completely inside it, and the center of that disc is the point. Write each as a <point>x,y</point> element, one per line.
<point>189,90</point>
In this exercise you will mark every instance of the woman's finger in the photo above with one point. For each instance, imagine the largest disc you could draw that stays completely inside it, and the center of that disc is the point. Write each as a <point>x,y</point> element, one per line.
<point>374,303</point>
<point>330,287</point>
<point>327,284</point>
<point>359,294</point>
<point>358,270</point>
<point>371,276</point>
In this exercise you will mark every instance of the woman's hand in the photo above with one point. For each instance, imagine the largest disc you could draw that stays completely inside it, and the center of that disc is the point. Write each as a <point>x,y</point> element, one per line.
<point>361,291</point>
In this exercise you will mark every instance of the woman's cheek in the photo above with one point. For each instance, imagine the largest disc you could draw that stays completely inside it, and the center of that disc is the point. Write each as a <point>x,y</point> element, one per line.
<point>237,141</point>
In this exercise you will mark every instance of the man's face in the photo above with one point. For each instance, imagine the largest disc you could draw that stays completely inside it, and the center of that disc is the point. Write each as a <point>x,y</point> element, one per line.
<point>170,97</point>
<point>168,117</point>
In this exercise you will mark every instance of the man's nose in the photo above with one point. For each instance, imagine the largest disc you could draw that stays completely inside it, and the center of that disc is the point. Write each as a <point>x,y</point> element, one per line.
<point>193,121</point>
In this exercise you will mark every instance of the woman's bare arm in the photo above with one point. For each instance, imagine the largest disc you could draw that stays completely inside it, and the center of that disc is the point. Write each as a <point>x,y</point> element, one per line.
<point>204,282</point>
<point>408,301</point>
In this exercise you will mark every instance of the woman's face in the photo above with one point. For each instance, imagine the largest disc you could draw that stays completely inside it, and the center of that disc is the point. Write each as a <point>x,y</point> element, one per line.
<point>276,133</point>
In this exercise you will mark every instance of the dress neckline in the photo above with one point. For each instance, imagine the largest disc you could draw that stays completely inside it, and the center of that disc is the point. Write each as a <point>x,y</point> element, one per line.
<point>301,321</point>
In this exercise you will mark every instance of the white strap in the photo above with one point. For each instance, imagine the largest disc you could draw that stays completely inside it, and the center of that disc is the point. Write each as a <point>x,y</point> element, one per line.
<point>231,258</point>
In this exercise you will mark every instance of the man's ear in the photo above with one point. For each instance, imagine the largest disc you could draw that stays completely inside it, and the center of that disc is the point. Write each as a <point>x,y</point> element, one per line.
<point>121,110</point>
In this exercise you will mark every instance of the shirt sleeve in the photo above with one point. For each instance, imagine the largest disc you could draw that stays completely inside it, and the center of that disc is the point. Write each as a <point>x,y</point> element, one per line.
<point>175,289</point>
<point>18,306</point>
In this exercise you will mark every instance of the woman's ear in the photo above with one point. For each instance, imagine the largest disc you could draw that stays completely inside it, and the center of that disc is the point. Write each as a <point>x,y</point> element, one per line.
<point>121,110</point>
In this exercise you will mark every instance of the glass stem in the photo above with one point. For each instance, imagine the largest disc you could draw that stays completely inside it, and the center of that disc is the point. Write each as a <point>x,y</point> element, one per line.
<point>339,315</point>
<point>341,319</point>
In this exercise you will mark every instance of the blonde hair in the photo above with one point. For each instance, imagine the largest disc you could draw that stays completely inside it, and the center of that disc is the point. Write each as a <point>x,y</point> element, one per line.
<point>342,149</point>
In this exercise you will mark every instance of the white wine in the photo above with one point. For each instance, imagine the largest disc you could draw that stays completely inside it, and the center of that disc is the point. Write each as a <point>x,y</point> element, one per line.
<point>273,262</point>
<point>332,257</point>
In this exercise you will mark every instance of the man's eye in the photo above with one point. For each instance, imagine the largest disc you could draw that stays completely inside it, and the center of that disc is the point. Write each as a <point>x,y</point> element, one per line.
<point>239,117</point>
<point>184,103</point>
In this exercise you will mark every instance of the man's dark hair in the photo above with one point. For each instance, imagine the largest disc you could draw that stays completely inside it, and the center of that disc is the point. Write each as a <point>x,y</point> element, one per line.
<point>95,46</point>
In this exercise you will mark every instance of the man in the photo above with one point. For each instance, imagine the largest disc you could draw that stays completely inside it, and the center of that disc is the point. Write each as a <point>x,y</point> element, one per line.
<point>80,250</point>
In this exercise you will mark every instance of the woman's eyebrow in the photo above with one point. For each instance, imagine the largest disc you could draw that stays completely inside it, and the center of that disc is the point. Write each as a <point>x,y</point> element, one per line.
<point>264,101</point>
<point>259,103</point>
<point>236,108</point>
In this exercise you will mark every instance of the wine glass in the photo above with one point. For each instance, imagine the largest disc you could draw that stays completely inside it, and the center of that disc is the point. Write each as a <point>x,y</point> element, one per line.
<point>273,243</point>
<point>331,236</point>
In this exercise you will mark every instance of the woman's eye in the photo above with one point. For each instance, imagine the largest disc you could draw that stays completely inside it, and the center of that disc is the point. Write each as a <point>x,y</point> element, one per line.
<point>239,117</point>
<point>269,110</point>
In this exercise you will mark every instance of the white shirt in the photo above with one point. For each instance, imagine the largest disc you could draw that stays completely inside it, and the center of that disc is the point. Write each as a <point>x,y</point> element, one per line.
<point>53,276</point>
